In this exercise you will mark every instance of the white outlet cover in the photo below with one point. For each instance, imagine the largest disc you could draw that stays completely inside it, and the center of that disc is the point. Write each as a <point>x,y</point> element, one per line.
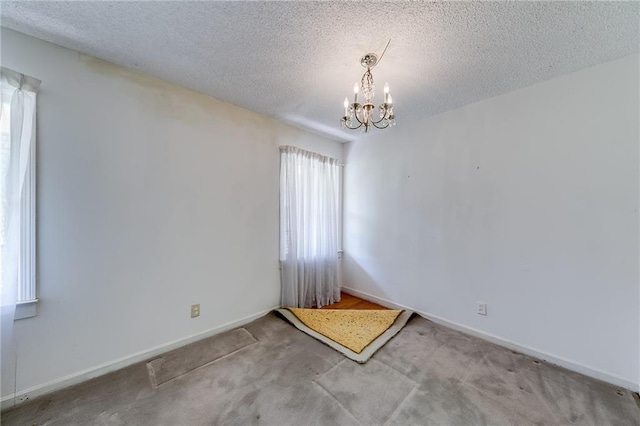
<point>482,308</point>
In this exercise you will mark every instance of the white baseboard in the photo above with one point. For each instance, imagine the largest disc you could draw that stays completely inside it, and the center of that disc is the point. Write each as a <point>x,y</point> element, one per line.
<point>90,373</point>
<point>550,358</point>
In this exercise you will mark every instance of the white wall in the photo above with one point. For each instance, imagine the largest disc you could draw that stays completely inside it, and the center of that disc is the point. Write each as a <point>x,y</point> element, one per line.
<point>150,198</point>
<point>527,201</point>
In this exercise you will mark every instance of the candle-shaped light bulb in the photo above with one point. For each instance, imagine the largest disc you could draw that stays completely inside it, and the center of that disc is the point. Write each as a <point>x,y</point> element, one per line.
<point>356,89</point>
<point>386,93</point>
<point>346,107</point>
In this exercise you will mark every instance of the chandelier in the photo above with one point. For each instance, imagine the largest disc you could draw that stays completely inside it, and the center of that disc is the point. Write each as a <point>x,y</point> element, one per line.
<point>362,116</point>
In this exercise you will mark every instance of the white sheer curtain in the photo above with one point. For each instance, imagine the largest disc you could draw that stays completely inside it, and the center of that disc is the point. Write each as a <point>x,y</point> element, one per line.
<point>17,122</point>
<point>309,203</point>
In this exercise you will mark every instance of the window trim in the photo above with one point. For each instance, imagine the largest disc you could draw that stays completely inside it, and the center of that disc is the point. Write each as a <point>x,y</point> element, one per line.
<point>26,309</point>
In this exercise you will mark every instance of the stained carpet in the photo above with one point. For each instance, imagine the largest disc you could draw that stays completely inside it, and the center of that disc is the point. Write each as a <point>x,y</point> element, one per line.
<point>427,374</point>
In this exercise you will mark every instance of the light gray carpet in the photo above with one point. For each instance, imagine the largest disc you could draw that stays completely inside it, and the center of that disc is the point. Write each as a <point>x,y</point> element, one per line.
<point>427,374</point>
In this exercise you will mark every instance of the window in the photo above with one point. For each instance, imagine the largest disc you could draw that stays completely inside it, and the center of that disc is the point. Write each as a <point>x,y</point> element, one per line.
<point>309,227</point>
<point>17,191</point>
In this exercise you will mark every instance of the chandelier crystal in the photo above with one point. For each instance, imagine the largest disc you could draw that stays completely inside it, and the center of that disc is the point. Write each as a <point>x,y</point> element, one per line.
<point>362,116</point>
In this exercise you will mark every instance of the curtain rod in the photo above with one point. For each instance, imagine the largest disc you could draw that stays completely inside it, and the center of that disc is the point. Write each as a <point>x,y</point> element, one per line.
<point>286,147</point>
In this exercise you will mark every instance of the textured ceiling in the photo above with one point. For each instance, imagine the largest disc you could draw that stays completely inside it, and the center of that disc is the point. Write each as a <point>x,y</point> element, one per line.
<point>296,61</point>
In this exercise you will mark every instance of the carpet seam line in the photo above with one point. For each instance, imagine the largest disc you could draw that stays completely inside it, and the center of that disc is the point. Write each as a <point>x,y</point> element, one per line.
<point>208,363</point>
<point>326,391</point>
<point>399,407</point>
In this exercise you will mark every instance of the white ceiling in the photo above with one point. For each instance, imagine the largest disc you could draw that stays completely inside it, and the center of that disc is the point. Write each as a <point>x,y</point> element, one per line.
<point>296,61</point>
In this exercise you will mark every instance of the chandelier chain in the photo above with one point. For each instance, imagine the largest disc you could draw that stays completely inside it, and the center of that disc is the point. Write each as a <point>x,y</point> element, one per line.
<point>382,54</point>
<point>367,85</point>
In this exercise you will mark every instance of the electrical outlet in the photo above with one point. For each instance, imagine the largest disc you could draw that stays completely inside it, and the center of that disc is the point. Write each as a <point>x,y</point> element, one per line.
<point>195,310</point>
<point>482,308</point>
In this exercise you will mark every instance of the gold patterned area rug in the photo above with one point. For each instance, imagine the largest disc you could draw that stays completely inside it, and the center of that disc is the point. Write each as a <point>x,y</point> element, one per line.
<point>358,334</point>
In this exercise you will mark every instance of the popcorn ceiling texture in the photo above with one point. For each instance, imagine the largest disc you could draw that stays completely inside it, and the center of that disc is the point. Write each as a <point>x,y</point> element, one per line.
<point>296,61</point>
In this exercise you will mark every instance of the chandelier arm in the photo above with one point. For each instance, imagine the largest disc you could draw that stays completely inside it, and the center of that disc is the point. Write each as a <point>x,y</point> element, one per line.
<point>355,114</point>
<point>379,121</point>
<point>375,124</point>
<point>385,117</point>
<point>353,128</point>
